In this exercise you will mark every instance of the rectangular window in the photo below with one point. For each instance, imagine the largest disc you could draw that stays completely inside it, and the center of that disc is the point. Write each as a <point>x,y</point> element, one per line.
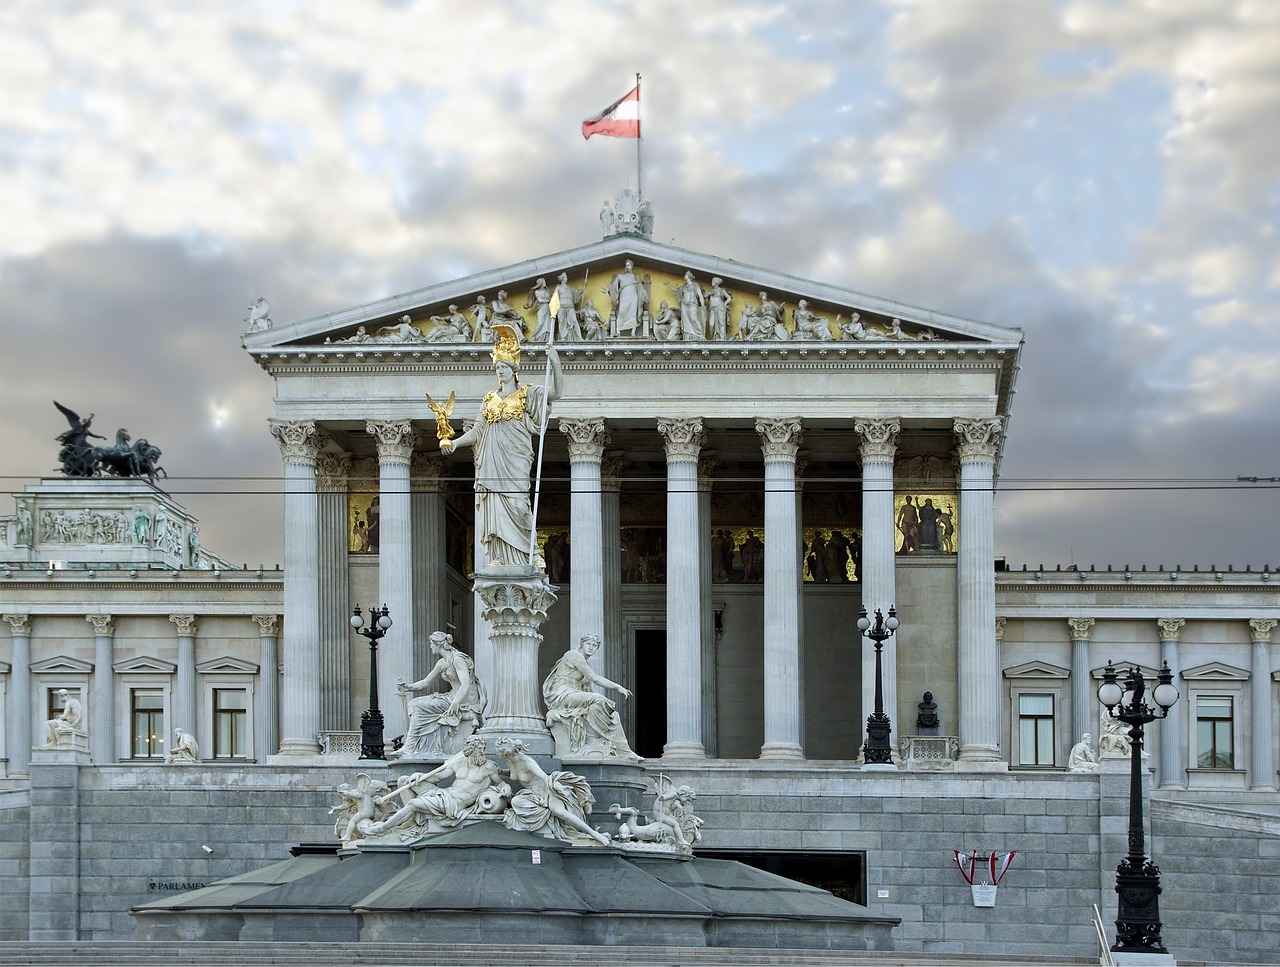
<point>1035,729</point>
<point>146,707</point>
<point>230,712</point>
<point>1215,732</point>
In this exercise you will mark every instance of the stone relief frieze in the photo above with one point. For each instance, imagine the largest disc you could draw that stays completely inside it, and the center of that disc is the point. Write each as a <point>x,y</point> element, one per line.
<point>85,527</point>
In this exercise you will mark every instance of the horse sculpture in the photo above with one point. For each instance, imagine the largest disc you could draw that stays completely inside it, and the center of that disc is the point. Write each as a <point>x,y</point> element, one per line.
<point>80,459</point>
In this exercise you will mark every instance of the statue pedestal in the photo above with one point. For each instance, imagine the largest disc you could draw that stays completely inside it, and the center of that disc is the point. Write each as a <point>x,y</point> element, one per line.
<point>516,599</point>
<point>619,781</point>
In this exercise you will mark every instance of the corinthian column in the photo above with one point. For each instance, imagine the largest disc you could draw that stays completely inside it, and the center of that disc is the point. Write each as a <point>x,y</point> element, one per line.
<point>395,440</point>
<point>102,740</point>
<point>1083,702</point>
<point>587,440</point>
<point>879,443</point>
<point>184,696</point>
<point>1171,774</point>
<point>1262,763</point>
<point>266,717</point>
<point>332,472</point>
<point>978,657</point>
<point>427,508</point>
<point>301,691</point>
<point>706,472</point>
<point>682,440</point>
<point>19,724</point>
<point>780,439</point>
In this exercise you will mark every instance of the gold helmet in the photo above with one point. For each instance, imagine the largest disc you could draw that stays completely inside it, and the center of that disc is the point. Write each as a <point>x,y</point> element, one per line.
<point>507,348</point>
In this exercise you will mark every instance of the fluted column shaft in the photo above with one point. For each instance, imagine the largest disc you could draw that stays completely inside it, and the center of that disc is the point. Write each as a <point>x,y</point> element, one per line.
<point>102,744</point>
<point>18,728</point>
<point>395,442</point>
<point>266,718</point>
<point>682,440</point>
<point>878,444</point>
<point>587,440</point>
<point>611,571</point>
<point>1084,703</point>
<point>1262,761</point>
<point>978,656</point>
<point>430,600</point>
<point>706,471</point>
<point>780,440</point>
<point>332,472</point>
<point>184,694</point>
<point>1172,774</point>
<point>300,699</point>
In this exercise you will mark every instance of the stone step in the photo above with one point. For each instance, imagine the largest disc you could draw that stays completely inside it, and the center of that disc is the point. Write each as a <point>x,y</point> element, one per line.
<point>201,954</point>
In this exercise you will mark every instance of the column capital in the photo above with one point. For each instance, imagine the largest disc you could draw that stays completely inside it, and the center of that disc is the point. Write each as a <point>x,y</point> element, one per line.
<point>878,438</point>
<point>1170,628</point>
<point>268,624</point>
<point>1261,628</point>
<point>332,469</point>
<point>586,438</point>
<point>1000,623</point>
<point>780,438</point>
<point>611,467</point>
<point>979,439</point>
<point>1081,628</point>
<point>682,439</point>
<point>297,439</point>
<point>20,623</point>
<point>186,623</point>
<point>428,472</point>
<point>395,439</point>
<point>102,625</point>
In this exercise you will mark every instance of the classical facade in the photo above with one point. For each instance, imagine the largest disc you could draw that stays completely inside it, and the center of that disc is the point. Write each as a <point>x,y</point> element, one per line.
<point>737,462</point>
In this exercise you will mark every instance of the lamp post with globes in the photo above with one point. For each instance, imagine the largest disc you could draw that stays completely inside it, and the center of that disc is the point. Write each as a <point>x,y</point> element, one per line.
<point>371,743</point>
<point>877,750</point>
<point>1137,878</point>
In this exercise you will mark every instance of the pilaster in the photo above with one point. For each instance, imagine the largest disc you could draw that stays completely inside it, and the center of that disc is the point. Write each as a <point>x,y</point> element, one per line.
<point>780,441</point>
<point>682,441</point>
<point>102,743</point>
<point>333,469</point>
<point>706,474</point>
<point>184,695</point>
<point>18,728</point>
<point>1262,740</point>
<point>611,470</point>
<point>1083,701</point>
<point>266,719</point>
<point>1172,774</point>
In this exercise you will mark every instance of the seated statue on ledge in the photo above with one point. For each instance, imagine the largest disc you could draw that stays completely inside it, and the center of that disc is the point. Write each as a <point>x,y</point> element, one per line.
<point>1081,758</point>
<point>584,722</point>
<point>439,722</point>
<point>64,731</point>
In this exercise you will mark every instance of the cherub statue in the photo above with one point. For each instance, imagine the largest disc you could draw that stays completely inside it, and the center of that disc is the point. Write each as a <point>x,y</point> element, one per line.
<point>444,429</point>
<point>674,825</point>
<point>359,809</point>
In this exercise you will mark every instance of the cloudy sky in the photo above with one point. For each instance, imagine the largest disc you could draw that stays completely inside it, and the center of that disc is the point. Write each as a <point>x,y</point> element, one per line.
<point>1104,174</point>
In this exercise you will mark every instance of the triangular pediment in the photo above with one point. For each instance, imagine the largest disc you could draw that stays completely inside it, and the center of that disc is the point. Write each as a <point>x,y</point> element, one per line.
<point>226,665</point>
<point>762,307</point>
<point>144,664</point>
<point>1036,669</point>
<point>63,665</point>
<point>1215,671</point>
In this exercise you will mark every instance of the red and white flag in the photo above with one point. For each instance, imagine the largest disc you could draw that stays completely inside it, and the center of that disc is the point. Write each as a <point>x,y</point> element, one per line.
<point>621,119</point>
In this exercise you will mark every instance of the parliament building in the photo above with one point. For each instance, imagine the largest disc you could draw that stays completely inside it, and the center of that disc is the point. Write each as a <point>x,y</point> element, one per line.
<point>737,462</point>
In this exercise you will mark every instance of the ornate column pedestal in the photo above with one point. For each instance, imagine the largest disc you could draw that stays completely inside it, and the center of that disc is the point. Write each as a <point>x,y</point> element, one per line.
<point>395,441</point>
<point>978,657</point>
<point>18,727</point>
<point>780,440</point>
<point>879,443</point>
<point>184,695</point>
<point>1172,773</point>
<point>300,698</point>
<point>682,440</point>
<point>1262,762</point>
<point>587,440</point>
<point>102,735</point>
<point>515,600</point>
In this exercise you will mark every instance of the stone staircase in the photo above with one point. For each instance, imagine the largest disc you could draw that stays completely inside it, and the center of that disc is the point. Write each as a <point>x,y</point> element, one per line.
<point>155,954</point>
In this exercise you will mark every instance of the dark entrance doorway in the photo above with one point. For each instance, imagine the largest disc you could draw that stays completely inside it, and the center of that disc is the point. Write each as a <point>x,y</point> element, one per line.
<point>651,692</point>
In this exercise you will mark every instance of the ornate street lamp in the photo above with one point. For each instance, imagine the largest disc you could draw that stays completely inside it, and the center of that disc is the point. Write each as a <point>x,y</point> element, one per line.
<point>877,750</point>
<point>1137,878</point>
<point>371,744</point>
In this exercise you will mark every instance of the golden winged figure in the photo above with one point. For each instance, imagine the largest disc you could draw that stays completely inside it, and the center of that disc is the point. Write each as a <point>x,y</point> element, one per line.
<point>444,429</point>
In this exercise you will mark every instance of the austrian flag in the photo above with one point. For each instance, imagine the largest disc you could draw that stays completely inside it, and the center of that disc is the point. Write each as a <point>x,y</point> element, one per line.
<point>621,119</point>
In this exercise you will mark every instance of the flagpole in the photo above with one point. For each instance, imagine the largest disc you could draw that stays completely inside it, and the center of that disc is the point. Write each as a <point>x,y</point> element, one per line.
<point>639,138</point>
